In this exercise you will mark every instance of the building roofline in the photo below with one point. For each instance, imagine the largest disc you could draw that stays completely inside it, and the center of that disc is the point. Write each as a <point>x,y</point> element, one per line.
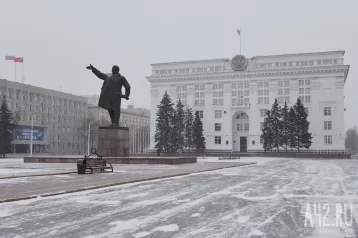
<point>302,54</point>
<point>191,61</point>
<point>342,52</point>
<point>41,88</point>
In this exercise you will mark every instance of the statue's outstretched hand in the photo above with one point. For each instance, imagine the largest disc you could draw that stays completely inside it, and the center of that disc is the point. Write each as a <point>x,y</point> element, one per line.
<point>127,98</point>
<point>90,67</point>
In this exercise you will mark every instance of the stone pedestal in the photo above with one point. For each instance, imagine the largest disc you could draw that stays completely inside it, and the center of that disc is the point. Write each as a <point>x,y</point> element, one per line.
<point>113,141</point>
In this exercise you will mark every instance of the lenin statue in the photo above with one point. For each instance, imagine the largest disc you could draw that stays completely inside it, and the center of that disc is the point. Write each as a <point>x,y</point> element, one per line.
<point>111,92</point>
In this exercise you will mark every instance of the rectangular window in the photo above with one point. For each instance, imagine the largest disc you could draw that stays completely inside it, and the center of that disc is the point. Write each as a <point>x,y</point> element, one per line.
<point>218,114</point>
<point>301,82</point>
<point>280,84</point>
<point>287,83</point>
<point>280,91</point>
<point>327,111</point>
<point>260,84</point>
<point>307,110</point>
<point>261,126</point>
<point>217,126</point>
<point>261,141</point>
<point>307,98</point>
<point>266,92</point>
<point>246,127</point>
<point>217,140</point>
<point>266,84</point>
<point>263,112</point>
<point>302,98</point>
<point>267,100</point>
<point>287,91</point>
<point>327,125</point>
<point>328,140</point>
<point>301,91</point>
<point>260,92</point>
<point>201,114</point>
<point>239,127</point>
<point>261,100</point>
<point>246,93</point>
<point>307,82</point>
<point>308,91</point>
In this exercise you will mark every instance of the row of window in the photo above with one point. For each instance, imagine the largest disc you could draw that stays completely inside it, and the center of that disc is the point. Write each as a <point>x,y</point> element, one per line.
<point>327,140</point>
<point>190,70</point>
<point>296,63</point>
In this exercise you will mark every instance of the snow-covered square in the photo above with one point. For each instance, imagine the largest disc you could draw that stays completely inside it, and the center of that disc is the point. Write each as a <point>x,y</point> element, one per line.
<point>273,198</point>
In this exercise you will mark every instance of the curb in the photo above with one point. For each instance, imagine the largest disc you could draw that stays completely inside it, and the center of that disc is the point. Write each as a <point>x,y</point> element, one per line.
<point>121,183</point>
<point>36,175</point>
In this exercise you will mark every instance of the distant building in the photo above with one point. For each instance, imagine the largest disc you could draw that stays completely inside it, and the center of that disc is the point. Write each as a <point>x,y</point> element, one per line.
<point>233,95</point>
<point>56,116</point>
<point>92,99</point>
<point>136,119</point>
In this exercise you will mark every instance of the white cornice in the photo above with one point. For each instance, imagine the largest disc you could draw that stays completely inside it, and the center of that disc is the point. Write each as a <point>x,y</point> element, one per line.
<point>252,73</point>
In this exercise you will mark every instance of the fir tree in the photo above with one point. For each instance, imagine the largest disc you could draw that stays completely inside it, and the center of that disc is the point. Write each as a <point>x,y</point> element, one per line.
<point>179,126</point>
<point>291,129</point>
<point>284,127</point>
<point>267,135</point>
<point>198,138</point>
<point>164,126</point>
<point>188,131</point>
<point>276,125</point>
<point>7,127</point>
<point>302,125</point>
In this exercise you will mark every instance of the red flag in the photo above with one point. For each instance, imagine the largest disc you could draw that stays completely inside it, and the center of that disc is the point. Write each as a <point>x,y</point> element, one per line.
<point>19,59</point>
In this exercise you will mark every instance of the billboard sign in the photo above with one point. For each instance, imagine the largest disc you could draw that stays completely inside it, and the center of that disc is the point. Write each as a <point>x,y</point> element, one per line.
<point>24,133</point>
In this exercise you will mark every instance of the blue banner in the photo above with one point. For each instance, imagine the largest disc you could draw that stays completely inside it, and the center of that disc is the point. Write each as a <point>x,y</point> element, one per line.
<point>24,133</point>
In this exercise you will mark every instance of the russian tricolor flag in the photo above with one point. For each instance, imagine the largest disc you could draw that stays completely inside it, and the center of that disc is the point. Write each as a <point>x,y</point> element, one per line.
<point>10,57</point>
<point>19,59</point>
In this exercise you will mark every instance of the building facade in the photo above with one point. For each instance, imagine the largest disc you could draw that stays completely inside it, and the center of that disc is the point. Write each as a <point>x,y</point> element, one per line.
<point>136,119</point>
<point>233,95</point>
<point>56,118</point>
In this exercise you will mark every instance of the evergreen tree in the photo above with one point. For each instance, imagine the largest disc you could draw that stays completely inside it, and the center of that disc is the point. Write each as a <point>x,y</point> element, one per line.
<point>351,141</point>
<point>164,126</point>
<point>7,127</point>
<point>276,125</point>
<point>302,125</point>
<point>188,131</point>
<point>179,126</point>
<point>291,129</point>
<point>198,138</point>
<point>267,135</point>
<point>284,127</point>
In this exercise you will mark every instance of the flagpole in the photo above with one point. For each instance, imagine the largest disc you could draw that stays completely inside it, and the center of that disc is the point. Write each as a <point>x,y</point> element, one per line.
<point>240,41</point>
<point>15,70</point>
<point>22,73</point>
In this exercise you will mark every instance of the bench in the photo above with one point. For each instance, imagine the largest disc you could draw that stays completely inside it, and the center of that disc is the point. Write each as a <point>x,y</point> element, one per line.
<point>97,165</point>
<point>94,164</point>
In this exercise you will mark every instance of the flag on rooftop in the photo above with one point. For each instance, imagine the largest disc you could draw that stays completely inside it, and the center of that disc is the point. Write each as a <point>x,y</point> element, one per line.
<point>239,32</point>
<point>10,57</point>
<point>19,59</point>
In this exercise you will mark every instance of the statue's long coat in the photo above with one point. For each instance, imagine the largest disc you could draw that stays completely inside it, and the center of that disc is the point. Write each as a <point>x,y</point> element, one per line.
<point>111,92</point>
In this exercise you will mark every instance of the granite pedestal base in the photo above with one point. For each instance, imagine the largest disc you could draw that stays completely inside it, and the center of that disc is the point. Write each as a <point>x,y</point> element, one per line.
<point>113,141</point>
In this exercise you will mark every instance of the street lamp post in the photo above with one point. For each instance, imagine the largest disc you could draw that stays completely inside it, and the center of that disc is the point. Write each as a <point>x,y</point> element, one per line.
<point>32,130</point>
<point>89,136</point>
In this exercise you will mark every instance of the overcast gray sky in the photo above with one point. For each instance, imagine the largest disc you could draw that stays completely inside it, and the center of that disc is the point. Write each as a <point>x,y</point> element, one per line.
<point>59,38</point>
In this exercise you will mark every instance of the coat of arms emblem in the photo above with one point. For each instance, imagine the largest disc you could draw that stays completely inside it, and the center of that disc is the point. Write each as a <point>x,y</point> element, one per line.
<point>239,62</point>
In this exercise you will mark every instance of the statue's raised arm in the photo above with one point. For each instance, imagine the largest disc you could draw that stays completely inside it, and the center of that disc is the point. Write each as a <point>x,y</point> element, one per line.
<point>98,73</point>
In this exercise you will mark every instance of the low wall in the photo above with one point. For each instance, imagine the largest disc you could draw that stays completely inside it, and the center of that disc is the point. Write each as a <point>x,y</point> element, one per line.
<point>308,155</point>
<point>116,160</point>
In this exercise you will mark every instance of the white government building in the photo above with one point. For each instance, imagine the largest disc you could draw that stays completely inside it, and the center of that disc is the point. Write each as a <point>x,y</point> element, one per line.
<point>232,96</point>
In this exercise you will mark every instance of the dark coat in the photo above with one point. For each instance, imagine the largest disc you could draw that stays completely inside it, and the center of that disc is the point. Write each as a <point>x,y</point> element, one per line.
<point>111,92</point>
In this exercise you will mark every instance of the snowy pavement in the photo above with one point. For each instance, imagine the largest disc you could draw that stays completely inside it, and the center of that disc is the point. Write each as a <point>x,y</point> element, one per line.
<point>17,167</point>
<point>275,198</point>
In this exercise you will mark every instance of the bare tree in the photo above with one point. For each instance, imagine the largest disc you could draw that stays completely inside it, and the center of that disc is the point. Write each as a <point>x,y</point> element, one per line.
<point>351,141</point>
